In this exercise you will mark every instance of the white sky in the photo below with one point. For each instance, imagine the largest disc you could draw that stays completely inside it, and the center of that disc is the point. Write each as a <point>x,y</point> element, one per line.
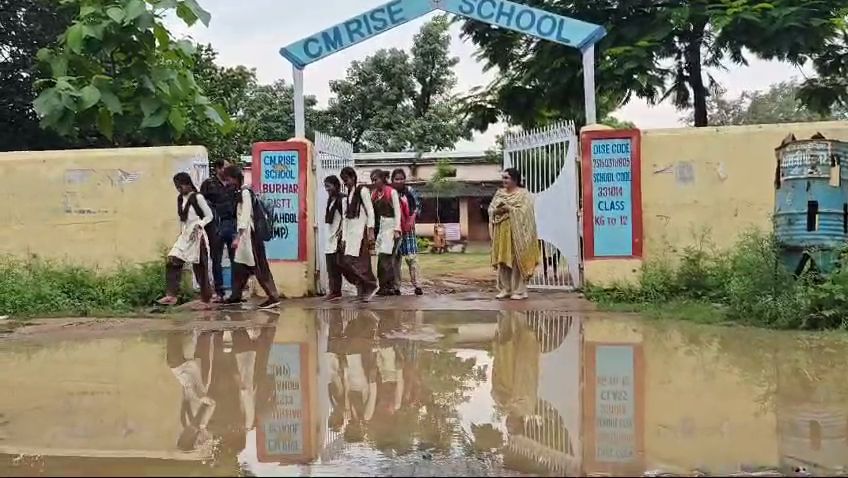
<point>251,32</point>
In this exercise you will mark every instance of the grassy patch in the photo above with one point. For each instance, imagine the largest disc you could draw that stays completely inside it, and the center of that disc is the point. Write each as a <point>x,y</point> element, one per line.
<point>455,265</point>
<point>746,285</point>
<point>38,287</point>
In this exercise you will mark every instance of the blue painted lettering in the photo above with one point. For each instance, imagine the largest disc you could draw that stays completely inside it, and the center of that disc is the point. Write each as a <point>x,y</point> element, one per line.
<point>466,7</point>
<point>354,29</point>
<point>530,18</point>
<point>545,31</point>
<point>308,45</point>
<point>367,24</point>
<point>378,18</point>
<point>505,16</point>
<point>559,35</point>
<point>334,42</point>
<point>486,16</point>
<point>395,12</point>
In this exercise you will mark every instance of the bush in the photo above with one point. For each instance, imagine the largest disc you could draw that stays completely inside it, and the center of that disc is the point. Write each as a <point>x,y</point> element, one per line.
<point>40,287</point>
<point>424,244</point>
<point>747,284</point>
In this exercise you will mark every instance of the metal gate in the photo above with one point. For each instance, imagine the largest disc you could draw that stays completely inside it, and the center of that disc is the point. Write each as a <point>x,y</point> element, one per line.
<point>331,155</point>
<point>547,159</point>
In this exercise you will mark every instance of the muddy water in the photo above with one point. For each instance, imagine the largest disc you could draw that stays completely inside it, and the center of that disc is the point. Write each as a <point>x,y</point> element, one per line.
<point>426,394</point>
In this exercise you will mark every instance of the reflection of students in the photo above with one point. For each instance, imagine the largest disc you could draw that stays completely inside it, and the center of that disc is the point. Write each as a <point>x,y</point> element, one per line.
<point>515,373</point>
<point>360,374</point>
<point>189,356</point>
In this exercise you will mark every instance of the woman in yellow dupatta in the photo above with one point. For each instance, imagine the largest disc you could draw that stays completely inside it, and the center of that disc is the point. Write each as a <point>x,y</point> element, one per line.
<point>515,245</point>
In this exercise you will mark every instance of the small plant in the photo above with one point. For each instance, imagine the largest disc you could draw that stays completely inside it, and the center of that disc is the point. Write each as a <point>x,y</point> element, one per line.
<point>41,287</point>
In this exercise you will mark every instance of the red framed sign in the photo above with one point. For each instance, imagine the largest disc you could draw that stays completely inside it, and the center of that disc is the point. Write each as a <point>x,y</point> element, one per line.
<point>614,409</point>
<point>284,433</point>
<point>279,173</point>
<point>612,194</point>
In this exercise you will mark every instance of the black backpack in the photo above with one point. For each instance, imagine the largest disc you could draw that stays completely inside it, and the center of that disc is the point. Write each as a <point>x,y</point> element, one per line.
<point>263,218</point>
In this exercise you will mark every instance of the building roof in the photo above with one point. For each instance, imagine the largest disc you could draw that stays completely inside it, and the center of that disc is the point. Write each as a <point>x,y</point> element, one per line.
<point>474,189</point>
<point>398,159</point>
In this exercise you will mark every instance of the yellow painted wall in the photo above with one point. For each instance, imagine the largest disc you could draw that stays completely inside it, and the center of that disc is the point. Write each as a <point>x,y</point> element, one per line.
<point>706,182</point>
<point>93,206</point>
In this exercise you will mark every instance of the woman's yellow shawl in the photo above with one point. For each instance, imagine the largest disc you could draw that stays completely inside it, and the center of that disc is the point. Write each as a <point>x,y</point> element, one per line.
<point>514,238</point>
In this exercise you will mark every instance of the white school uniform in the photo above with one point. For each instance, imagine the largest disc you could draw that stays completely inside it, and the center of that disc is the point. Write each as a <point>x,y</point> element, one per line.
<point>192,232</point>
<point>353,230</point>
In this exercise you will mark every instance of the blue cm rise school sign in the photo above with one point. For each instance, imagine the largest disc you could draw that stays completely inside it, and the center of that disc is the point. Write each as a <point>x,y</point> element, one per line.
<point>503,13</point>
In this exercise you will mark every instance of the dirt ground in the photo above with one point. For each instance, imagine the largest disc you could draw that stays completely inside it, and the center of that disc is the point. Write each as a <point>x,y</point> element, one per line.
<point>451,282</point>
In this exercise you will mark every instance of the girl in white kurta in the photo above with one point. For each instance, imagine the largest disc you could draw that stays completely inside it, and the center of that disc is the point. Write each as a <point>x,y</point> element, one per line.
<point>250,258</point>
<point>333,217</point>
<point>192,245</point>
<point>357,234</point>
<point>386,203</point>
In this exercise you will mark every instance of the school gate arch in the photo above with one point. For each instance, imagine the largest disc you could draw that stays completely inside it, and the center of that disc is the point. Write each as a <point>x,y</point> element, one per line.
<point>533,152</point>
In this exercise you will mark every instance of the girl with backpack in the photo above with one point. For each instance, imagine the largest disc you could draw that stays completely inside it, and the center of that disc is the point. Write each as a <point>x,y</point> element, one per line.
<point>357,236</point>
<point>250,258</point>
<point>192,245</point>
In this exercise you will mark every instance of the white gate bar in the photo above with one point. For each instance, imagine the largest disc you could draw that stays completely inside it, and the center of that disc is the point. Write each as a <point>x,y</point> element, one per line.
<point>589,83</point>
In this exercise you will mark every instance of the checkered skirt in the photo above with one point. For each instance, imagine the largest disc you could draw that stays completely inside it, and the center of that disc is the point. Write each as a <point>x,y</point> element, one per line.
<point>408,244</point>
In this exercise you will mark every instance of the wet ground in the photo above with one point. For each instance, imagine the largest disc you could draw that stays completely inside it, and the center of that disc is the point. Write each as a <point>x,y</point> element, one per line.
<point>420,392</point>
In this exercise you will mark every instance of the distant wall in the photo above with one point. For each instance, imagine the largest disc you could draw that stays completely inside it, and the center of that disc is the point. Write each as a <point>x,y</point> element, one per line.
<point>93,206</point>
<point>705,182</point>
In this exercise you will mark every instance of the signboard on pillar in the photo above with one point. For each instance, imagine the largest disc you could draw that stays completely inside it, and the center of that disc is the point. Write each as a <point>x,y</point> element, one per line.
<point>612,194</point>
<point>614,409</point>
<point>279,177</point>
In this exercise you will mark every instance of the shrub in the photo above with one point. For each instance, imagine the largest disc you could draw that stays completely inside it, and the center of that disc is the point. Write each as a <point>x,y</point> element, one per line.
<point>41,287</point>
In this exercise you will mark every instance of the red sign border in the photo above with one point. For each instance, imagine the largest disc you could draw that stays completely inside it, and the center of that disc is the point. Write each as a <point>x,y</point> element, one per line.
<point>303,200</point>
<point>305,457</point>
<point>586,138</point>
<point>633,468</point>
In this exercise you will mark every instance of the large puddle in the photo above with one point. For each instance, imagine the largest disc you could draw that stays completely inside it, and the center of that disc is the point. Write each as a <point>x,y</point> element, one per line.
<point>427,394</point>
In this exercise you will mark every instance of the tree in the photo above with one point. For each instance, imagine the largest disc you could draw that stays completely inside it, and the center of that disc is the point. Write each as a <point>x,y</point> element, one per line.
<point>371,105</point>
<point>118,73</point>
<point>268,113</point>
<point>653,50</point>
<point>25,27</point>
<point>231,88</point>
<point>441,184</point>
<point>829,90</point>
<point>778,104</point>
<point>394,102</point>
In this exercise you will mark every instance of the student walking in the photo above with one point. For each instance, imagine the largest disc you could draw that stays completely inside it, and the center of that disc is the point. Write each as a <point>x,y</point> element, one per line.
<point>250,258</point>
<point>408,249</point>
<point>333,215</point>
<point>222,231</point>
<point>357,235</point>
<point>387,211</point>
<point>192,244</point>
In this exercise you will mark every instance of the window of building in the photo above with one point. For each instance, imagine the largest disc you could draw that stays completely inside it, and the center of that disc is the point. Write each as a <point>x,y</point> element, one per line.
<point>448,211</point>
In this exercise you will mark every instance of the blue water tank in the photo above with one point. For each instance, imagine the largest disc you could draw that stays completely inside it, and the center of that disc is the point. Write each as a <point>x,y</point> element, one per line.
<point>811,202</point>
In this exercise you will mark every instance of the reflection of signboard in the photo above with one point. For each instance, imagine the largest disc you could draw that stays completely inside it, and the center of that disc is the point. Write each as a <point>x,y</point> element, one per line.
<point>612,197</point>
<point>279,176</point>
<point>283,430</point>
<point>614,408</point>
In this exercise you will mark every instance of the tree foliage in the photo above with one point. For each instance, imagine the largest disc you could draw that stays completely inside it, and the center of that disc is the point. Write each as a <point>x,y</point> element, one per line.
<point>25,27</point>
<point>653,50</point>
<point>392,101</point>
<point>118,72</point>
<point>779,104</point>
<point>828,91</point>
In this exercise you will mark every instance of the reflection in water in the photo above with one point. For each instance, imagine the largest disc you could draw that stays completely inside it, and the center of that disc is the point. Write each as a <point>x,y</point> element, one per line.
<point>411,393</point>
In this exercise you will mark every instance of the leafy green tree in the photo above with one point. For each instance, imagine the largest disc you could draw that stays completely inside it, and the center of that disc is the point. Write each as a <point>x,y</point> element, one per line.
<point>25,27</point>
<point>653,50</point>
<point>268,113</point>
<point>441,183</point>
<point>392,101</point>
<point>118,72</point>
<point>778,104</point>
<point>829,89</point>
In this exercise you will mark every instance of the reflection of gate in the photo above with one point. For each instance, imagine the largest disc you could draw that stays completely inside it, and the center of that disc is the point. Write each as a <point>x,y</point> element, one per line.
<point>331,155</point>
<point>547,160</point>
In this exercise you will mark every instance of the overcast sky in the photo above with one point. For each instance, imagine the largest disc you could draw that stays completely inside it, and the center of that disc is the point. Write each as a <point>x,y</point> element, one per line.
<point>251,32</point>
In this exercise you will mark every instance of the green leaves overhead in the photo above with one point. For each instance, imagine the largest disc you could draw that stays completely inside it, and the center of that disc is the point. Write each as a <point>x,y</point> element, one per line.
<point>118,72</point>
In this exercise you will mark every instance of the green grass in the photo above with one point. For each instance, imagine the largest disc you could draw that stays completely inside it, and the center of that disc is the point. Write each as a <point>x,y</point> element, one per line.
<point>446,265</point>
<point>43,288</point>
<point>746,285</point>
